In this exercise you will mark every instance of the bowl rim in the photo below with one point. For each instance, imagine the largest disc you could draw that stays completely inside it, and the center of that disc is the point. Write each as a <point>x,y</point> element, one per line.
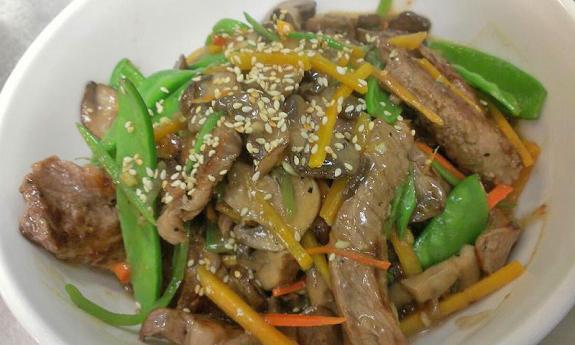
<point>530,331</point>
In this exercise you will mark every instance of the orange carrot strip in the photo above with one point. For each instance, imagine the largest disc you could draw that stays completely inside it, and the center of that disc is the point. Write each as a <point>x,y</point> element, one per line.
<point>298,320</point>
<point>500,192</point>
<point>122,272</point>
<point>440,159</point>
<point>360,258</point>
<point>284,290</point>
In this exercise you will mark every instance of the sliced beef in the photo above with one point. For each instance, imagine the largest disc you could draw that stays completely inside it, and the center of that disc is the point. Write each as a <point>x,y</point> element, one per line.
<point>70,211</point>
<point>332,24</point>
<point>409,22</point>
<point>186,207</point>
<point>370,319</point>
<point>99,108</point>
<point>468,137</point>
<point>323,335</point>
<point>494,245</point>
<point>183,328</point>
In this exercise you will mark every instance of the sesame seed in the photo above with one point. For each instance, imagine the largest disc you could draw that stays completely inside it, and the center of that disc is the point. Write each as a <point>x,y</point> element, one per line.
<point>164,89</point>
<point>256,176</point>
<point>348,166</point>
<point>337,172</point>
<point>211,178</point>
<point>342,244</point>
<point>331,257</point>
<point>341,70</point>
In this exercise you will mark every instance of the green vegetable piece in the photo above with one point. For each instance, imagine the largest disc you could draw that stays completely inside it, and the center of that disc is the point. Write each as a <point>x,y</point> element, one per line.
<point>214,241</point>
<point>208,61</point>
<point>373,57</point>
<point>463,219</point>
<point>160,84</point>
<point>528,91</point>
<point>395,206</point>
<point>383,7</point>
<point>260,29</point>
<point>108,163</point>
<point>406,205</point>
<point>286,190</point>
<point>210,123</point>
<point>228,26</point>
<point>378,103</point>
<point>125,70</point>
<point>505,98</point>
<point>141,239</point>
<point>445,174</point>
<point>332,43</point>
<point>179,263</point>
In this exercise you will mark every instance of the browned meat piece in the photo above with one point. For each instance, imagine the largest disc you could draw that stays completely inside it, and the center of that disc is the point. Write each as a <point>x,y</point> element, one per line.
<point>208,175</point>
<point>372,22</point>
<point>241,280</point>
<point>468,137</point>
<point>494,245</point>
<point>318,291</point>
<point>370,319</point>
<point>430,189</point>
<point>169,146</point>
<point>295,12</point>
<point>324,335</point>
<point>332,24</point>
<point>70,212</point>
<point>272,269</point>
<point>183,328</point>
<point>409,22</point>
<point>99,108</point>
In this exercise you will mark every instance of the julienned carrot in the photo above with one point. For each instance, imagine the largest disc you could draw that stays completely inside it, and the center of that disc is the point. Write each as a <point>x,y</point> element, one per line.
<point>237,309</point>
<point>440,159</point>
<point>284,290</point>
<point>360,258</point>
<point>420,320</point>
<point>298,320</point>
<point>500,192</point>
<point>122,272</point>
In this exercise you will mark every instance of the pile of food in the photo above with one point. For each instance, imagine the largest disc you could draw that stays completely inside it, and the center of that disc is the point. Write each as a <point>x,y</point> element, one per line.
<point>311,179</point>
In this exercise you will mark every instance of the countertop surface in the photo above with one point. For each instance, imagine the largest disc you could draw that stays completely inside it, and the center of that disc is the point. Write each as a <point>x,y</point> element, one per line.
<point>20,22</point>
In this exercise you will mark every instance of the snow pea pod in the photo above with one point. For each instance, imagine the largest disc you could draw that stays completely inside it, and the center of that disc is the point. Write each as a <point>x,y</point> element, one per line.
<point>160,84</point>
<point>260,29</point>
<point>208,61</point>
<point>406,205</point>
<point>378,103</point>
<point>463,219</point>
<point>136,154</point>
<point>528,91</point>
<point>228,26</point>
<point>214,240</point>
<point>332,43</point>
<point>125,70</point>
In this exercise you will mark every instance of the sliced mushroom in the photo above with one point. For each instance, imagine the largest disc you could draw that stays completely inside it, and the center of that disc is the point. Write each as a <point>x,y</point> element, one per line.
<point>257,237</point>
<point>468,267</point>
<point>210,86</point>
<point>273,269</point>
<point>433,282</point>
<point>307,200</point>
<point>99,108</point>
<point>295,12</point>
<point>409,22</point>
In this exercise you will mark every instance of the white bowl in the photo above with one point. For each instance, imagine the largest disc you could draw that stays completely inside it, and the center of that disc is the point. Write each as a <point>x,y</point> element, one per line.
<point>40,101</point>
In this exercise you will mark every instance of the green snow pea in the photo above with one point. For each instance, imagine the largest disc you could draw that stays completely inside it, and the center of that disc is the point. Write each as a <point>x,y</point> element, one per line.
<point>463,219</point>
<point>161,84</point>
<point>383,7</point>
<point>214,241</point>
<point>445,174</point>
<point>528,91</point>
<point>260,29</point>
<point>179,263</point>
<point>378,103</point>
<point>286,190</point>
<point>406,205</point>
<point>208,61</point>
<point>228,26</point>
<point>125,70</point>
<point>141,239</point>
<point>332,43</point>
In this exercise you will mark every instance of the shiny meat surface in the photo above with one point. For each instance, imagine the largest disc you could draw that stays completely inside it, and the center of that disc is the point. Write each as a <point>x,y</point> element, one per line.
<point>468,137</point>
<point>183,328</point>
<point>99,108</point>
<point>409,22</point>
<point>70,212</point>
<point>324,335</point>
<point>359,222</point>
<point>494,245</point>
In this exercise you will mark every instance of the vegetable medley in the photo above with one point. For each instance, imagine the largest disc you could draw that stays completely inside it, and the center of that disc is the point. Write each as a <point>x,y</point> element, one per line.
<point>306,172</point>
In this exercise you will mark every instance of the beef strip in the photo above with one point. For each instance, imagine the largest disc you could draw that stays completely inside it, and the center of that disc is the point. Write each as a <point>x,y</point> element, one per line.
<point>183,328</point>
<point>370,319</point>
<point>468,137</point>
<point>323,335</point>
<point>494,245</point>
<point>409,22</point>
<point>70,211</point>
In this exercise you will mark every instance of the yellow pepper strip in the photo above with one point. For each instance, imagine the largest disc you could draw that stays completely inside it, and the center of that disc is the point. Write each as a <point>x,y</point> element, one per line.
<point>357,52</point>
<point>245,60</point>
<point>353,80</point>
<point>334,197</point>
<point>404,249</point>
<point>406,95</point>
<point>169,127</point>
<point>309,241</point>
<point>283,232</point>
<point>333,201</point>
<point>234,307</point>
<point>525,173</point>
<point>408,41</point>
<point>434,72</point>
<point>214,49</point>
<point>229,260</point>
<point>326,129</point>
<point>195,55</point>
<point>414,322</point>
<point>508,131</point>
<point>283,28</point>
<point>224,208</point>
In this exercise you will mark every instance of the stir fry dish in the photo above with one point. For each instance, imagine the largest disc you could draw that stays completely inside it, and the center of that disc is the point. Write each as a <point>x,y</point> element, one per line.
<point>308,179</point>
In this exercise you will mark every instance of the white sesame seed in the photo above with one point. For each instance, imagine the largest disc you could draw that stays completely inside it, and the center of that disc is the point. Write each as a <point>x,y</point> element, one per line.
<point>337,172</point>
<point>348,166</point>
<point>256,176</point>
<point>342,244</point>
<point>164,89</point>
<point>341,70</point>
